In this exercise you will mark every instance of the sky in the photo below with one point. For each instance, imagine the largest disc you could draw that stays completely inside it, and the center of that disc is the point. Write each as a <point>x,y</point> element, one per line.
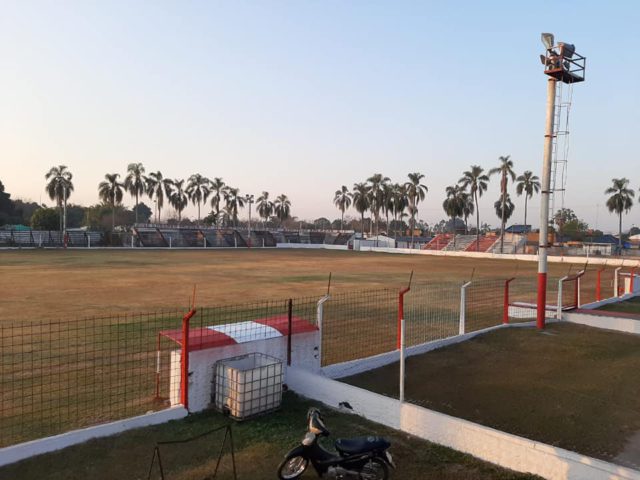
<point>301,97</point>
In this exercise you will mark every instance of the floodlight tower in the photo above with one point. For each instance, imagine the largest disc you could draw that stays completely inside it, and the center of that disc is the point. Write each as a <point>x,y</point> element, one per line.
<point>561,64</point>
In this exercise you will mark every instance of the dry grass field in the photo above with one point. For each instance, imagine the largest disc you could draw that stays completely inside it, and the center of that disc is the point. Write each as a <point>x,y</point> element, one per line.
<point>52,285</point>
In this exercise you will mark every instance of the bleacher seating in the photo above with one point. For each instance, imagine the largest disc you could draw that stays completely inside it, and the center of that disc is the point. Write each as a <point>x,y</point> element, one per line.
<point>76,238</point>
<point>461,243</point>
<point>438,242</point>
<point>512,243</point>
<point>150,237</point>
<point>483,245</point>
<point>342,238</point>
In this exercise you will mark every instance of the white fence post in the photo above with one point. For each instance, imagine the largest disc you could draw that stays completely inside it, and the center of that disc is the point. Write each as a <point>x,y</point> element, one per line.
<point>402,374</point>
<point>463,308</point>
<point>320,317</point>
<point>559,305</point>
<point>616,282</point>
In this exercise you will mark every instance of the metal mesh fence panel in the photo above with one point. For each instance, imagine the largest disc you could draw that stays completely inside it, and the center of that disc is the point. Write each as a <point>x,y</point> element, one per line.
<point>358,325</point>
<point>59,376</point>
<point>484,304</point>
<point>431,312</point>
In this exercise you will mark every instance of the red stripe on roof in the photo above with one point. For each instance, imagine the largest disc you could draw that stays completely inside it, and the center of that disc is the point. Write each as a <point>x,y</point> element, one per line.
<point>200,338</point>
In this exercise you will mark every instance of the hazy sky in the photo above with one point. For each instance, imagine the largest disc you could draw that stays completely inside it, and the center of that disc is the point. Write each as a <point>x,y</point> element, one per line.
<point>300,97</point>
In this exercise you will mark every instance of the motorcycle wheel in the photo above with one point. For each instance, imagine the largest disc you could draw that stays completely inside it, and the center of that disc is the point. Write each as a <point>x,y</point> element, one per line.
<point>292,468</point>
<point>375,469</point>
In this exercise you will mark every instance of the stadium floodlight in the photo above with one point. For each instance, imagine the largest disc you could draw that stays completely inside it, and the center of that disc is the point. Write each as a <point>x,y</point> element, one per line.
<point>548,40</point>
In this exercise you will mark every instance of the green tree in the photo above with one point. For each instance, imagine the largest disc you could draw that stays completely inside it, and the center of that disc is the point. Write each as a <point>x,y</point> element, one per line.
<point>111,192</point>
<point>528,184</point>
<point>217,189</point>
<point>453,205</point>
<point>8,213</point>
<point>45,219</point>
<point>179,199</point>
<point>361,201</point>
<point>198,190</point>
<point>620,201</point>
<point>59,187</point>
<point>504,209</point>
<point>377,182</point>
<point>282,207</point>
<point>467,209</point>
<point>342,199</point>
<point>265,207</point>
<point>135,183</point>
<point>143,213</point>
<point>159,187</point>
<point>233,201</point>
<point>416,193</point>
<point>505,171</point>
<point>477,181</point>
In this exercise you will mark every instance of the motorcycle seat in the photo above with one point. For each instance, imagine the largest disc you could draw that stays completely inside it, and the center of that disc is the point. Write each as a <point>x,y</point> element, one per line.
<point>351,446</point>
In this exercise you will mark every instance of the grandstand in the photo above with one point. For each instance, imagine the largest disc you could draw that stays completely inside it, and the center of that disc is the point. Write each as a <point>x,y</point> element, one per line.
<point>482,245</point>
<point>461,243</point>
<point>438,242</point>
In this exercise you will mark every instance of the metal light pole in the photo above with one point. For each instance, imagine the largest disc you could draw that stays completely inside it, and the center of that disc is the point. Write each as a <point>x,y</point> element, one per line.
<point>543,240</point>
<point>561,63</point>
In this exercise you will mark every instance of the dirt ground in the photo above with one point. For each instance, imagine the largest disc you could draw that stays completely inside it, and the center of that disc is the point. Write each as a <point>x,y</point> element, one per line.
<point>260,444</point>
<point>53,285</point>
<point>570,386</point>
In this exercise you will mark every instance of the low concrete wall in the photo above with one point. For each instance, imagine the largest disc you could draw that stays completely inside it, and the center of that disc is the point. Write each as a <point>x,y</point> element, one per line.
<point>15,453</point>
<point>612,262</point>
<point>488,444</point>
<point>619,324</point>
<point>322,246</point>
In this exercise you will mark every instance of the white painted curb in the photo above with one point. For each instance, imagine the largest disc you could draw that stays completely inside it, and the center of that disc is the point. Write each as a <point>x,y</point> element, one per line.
<point>18,452</point>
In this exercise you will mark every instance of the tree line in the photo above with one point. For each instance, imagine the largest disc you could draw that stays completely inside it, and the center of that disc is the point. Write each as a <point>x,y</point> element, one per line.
<point>225,200</point>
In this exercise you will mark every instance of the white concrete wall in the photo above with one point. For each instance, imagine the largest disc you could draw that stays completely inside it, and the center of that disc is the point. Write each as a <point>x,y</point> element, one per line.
<point>619,324</point>
<point>608,301</point>
<point>304,354</point>
<point>506,450</point>
<point>18,452</point>
<point>612,262</point>
<point>325,246</point>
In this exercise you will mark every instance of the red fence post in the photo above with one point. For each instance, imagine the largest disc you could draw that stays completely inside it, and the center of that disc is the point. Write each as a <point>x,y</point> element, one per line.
<point>599,285</point>
<point>290,329</point>
<point>400,315</point>
<point>505,310</point>
<point>633,276</point>
<point>184,360</point>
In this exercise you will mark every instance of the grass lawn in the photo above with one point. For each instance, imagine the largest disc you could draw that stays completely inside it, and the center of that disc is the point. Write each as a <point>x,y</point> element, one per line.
<point>49,285</point>
<point>628,306</point>
<point>260,445</point>
<point>570,386</point>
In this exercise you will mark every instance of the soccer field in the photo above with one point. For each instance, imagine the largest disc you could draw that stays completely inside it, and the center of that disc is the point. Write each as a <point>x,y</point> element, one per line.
<point>50,285</point>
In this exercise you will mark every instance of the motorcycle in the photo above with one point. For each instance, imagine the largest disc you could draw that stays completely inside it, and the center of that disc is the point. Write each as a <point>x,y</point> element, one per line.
<point>361,458</point>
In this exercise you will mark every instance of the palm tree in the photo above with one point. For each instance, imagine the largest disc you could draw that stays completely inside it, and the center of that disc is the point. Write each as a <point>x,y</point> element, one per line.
<point>505,170</point>
<point>282,207</point>
<point>477,181</point>
<point>342,199</point>
<point>377,181</point>
<point>159,187</point>
<point>504,209</point>
<point>178,198</point>
<point>233,201</point>
<point>400,201</point>
<point>198,190</point>
<point>361,200</point>
<point>217,189</point>
<point>528,183</point>
<point>265,207</point>
<point>111,192</point>
<point>135,182</point>
<point>59,187</point>
<point>416,193</point>
<point>620,201</point>
<point>467,209</point>
<point>453,206</point>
